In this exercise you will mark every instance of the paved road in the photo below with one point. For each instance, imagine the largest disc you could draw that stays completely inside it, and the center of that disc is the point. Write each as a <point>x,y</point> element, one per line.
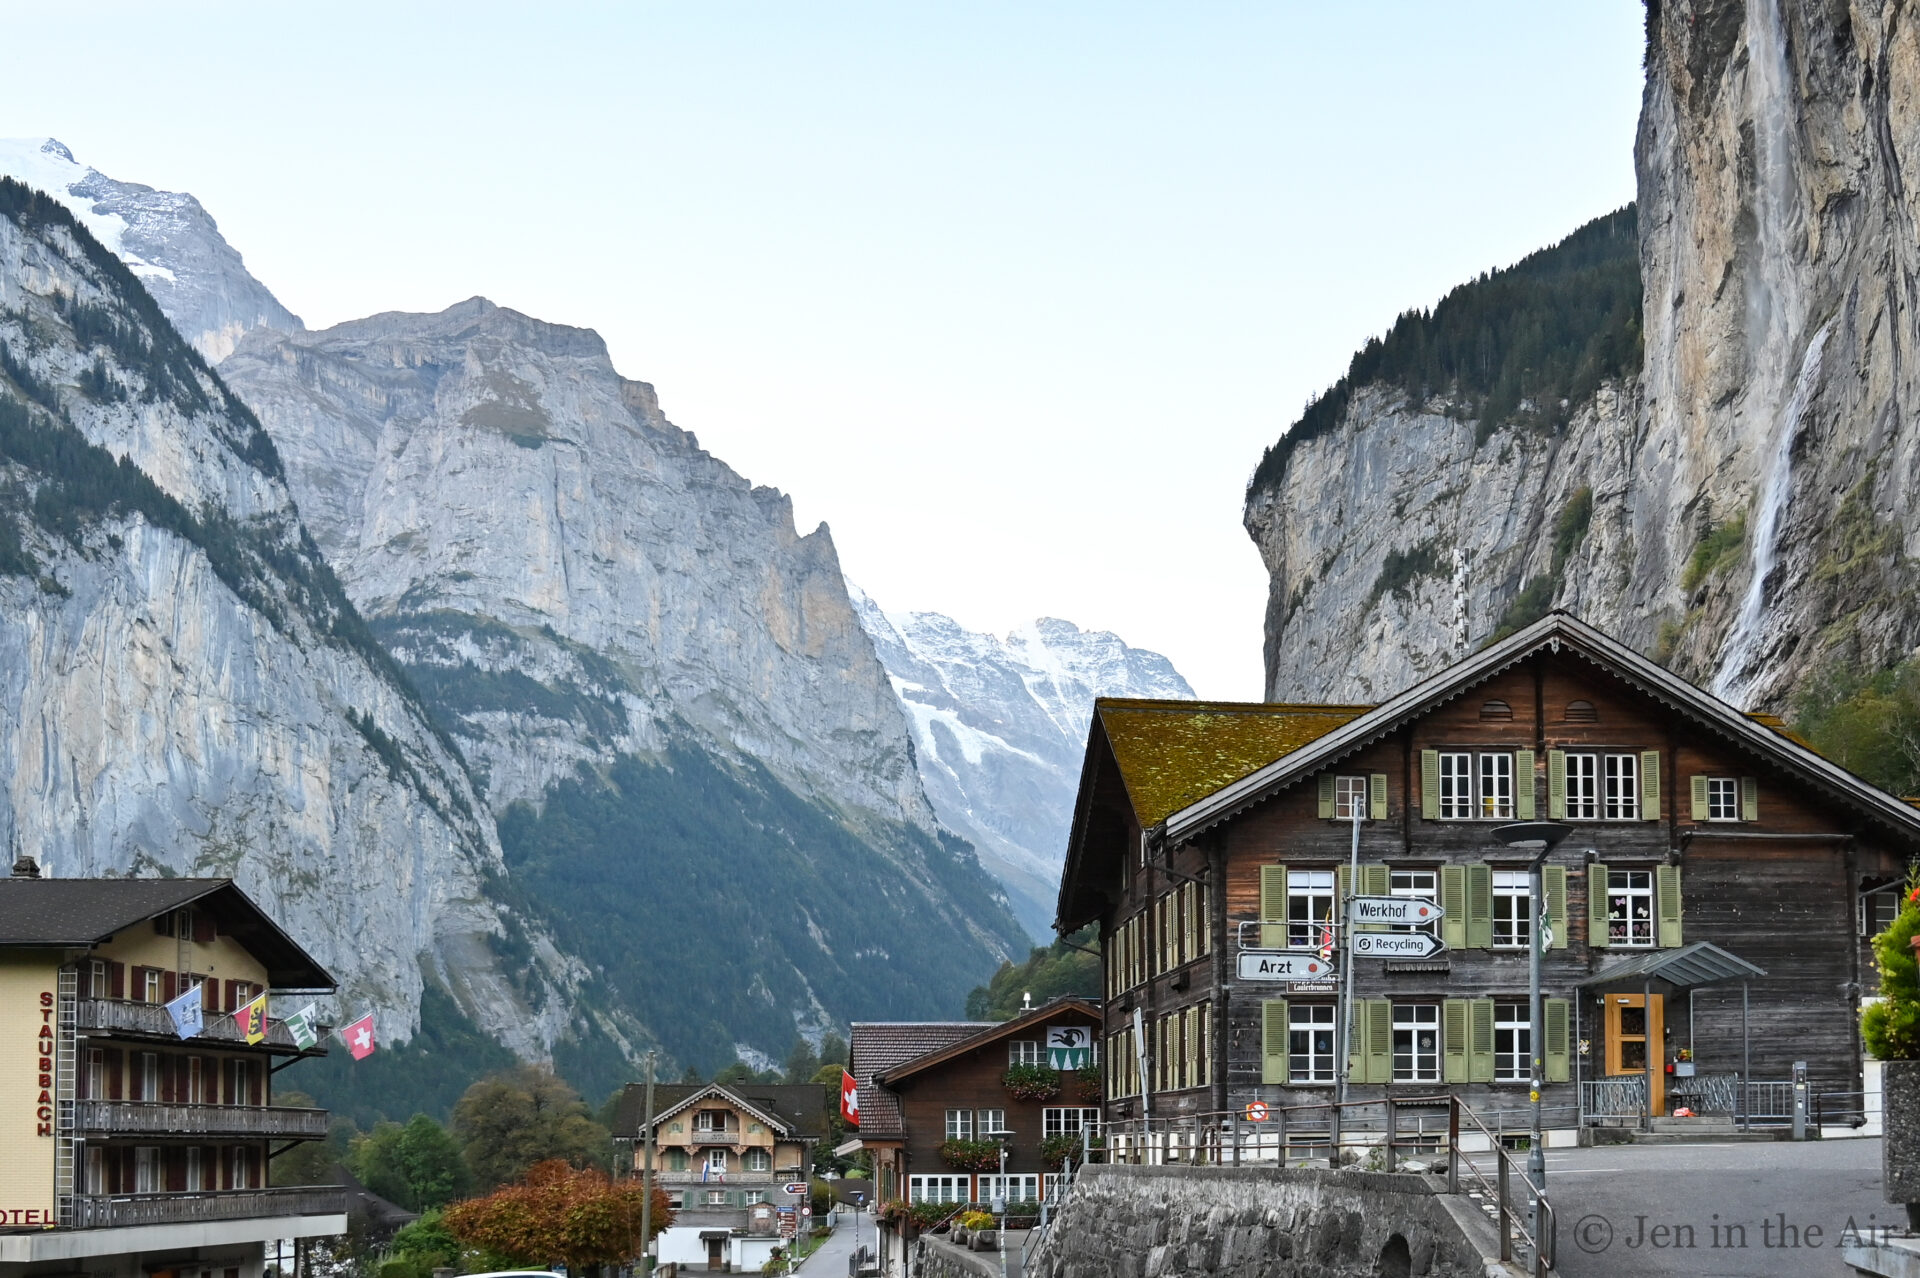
<point>1714,1211</point>
<point>831,1260</point>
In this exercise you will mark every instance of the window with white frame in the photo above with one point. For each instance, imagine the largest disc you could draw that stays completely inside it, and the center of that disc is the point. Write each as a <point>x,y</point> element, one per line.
<point>1420,885</point>
<point>959,1124</point>
<point>940,1189</point>
<point>1723,799</point>
<point>146,1170</point>
<point>96,1170</point>
<point>716,1162</point>
<point>1622,772</point>
<point>96,1073</point>
<point>196,1175</point>
<point>1583,787</point>
<point>1630,907</point>
<point>988,1121</point>
<point>1350,797</point>
<point>1456,786</point>
<point>1055,1184</point>
<point>149,1077</point>
<point>753,1197</point>
<point>1512,1043</point>
<point>1416,1042</point>
<point>710,1120</point>
<point>1069,1121</point>
<point>1023,1188</point>
<point>676,1198</point>
<point>759,1160</point>
<point>716,1198</point>
<point>1879,905</point>
<point>1512,909</point>
<point>241,1175</point>
<point>1496,787</point>
<point>1310,1042</point>
<point>150,986</point>
<point>1309,907</point>
<point>97,986</point>
<point>1025,1051</point>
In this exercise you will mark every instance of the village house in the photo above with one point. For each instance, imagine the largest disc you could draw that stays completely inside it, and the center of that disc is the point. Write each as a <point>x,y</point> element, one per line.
<point>1707,913</point>
<point>724,1155</point>
<point>126,1150</point>
<point>939,1101</point>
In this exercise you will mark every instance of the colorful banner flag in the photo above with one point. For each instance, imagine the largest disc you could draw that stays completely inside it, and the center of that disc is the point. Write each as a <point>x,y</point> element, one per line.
<point>301,1024</point>
<point>186,1012</point>
<point>359,1037</point>
<point>252,1019</point>
<point>849,1099</point>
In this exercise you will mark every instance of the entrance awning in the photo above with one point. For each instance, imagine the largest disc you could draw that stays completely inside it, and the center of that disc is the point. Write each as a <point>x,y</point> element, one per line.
<point>1702,963</point>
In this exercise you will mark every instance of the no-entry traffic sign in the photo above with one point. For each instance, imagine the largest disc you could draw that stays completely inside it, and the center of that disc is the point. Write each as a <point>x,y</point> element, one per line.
<point>1257,1112</point>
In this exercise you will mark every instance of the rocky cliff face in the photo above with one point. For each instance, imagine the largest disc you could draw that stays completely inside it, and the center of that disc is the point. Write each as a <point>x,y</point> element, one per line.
<point>1000,729</point>
<point>165,237</point>
<point>184,689</point>
<point>1740,506</point>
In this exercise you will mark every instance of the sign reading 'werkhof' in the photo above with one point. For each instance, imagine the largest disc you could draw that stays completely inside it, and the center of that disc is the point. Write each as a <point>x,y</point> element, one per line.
<point>1392,909</point>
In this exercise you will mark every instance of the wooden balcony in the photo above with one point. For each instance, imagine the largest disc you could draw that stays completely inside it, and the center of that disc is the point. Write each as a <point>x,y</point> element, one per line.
<point>154,1118</point>
<point>731,1137</point>
<point>105,1211</point>
<point>125,1018</point>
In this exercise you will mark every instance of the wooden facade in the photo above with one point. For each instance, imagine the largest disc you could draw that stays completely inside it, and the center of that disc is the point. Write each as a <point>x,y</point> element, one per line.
<point>1690,822</point>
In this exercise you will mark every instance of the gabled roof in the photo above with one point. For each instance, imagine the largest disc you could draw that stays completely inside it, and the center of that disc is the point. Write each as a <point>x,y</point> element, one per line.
<point>1702,963</point>
<point>78,913</point>
<point>1558,632</point>
<point>878,1046</point>
<point>797,1110</point>
<point>994,1033</point>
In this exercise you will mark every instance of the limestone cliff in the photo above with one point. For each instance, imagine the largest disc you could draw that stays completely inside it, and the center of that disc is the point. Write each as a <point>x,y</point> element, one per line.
<point>1740,504</point>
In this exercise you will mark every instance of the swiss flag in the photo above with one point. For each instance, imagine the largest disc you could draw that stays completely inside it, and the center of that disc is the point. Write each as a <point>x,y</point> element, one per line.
<point>849,1099</point>
<point>359,1037</point>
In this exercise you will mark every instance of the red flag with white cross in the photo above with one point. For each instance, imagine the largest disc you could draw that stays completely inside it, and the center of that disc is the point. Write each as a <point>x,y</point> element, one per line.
<point>359,1037</point>
<point>849,1099</point>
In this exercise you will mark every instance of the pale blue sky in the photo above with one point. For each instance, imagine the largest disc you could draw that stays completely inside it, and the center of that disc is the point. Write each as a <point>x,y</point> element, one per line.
<point>1011,295</point>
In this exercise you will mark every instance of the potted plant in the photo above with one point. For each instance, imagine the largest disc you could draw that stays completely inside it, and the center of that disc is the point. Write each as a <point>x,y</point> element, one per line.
<point>1055,1150</point>
<point>1891,1031</point>
<point>1032,1082</point>
<point>974,1229</point>
<point>971,1155</point>
<point>1087,1082</point>
<point>927,1215</point>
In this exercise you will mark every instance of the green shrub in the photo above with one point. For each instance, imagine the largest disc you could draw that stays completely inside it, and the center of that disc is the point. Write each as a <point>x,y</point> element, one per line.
<point>1891,1027</point>
<point>1719,546</point>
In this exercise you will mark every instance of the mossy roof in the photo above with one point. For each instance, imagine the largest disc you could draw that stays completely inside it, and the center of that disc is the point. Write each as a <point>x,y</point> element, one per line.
<point>1173,753</point>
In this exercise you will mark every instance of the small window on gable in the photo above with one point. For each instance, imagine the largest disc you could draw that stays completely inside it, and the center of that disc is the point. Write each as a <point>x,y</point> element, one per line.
<point>1496,710</point>
<point>1580,712</point>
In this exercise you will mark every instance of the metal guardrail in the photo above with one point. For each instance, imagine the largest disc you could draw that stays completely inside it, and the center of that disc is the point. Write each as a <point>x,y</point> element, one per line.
<point>97,1211</point>
<point>1624,1097</point>
<point>154,1118</point>
<point>150,1020</point>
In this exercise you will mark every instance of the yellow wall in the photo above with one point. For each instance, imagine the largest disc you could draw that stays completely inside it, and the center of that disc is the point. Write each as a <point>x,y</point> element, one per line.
<point>221,959</point>
<point>28,987</point>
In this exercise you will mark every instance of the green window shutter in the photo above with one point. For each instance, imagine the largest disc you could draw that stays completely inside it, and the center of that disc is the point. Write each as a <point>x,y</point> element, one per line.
<point>1453,900</point>
<point>1357,1043</point>
<point>1273,1041</point>
<point>1650,785</point>
<point>1379,1040</point>
<point>1430,784</point>
<point>1377,879</point>
<point>1596,906</point>
<point>1479,906</point>
<point>1666,889</point>
<point>1699,786</point>
<point>1557,785</point>
<point>1326,796</point>
<point>1273,904</point>
<point>1480,1051</point>
<point>1377,796</point>
<point>1523,784</point>
<point>1554,1012</point>
<point>1454,1040</point>
<point>1749,799</point>
<point>1556,881</point>
<point>1342,889</point>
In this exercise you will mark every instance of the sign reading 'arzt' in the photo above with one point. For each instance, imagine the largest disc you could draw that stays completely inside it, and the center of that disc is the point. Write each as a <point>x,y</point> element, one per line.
<point>1269,966</point>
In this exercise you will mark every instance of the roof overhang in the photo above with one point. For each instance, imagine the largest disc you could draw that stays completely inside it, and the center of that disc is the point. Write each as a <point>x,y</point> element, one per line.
<point>1702,963</point>
<point>712,1090</point>
<point>1027,1020</point>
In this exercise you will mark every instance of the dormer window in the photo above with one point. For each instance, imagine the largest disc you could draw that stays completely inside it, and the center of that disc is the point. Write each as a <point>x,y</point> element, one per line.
<point>710,1120</point>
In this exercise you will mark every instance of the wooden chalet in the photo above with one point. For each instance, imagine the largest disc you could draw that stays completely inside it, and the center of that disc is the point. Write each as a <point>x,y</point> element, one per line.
<point>1709,912</point>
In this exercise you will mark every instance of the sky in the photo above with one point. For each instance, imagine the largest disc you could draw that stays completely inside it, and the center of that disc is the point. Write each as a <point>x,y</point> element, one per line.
<point>1010,295</point>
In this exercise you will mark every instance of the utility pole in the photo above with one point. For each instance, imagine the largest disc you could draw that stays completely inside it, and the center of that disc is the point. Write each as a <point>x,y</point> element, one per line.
<point>646,1175</point>
<point>1343,1045</point>
<point>1548,834</point>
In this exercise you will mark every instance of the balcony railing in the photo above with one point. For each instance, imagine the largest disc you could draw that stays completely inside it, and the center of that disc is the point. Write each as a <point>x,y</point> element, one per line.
<point>150,1020</point>
<point>692,1177</point>
<point>101,1211</point>
<point>716,1138</point>
<point>152,1118</point>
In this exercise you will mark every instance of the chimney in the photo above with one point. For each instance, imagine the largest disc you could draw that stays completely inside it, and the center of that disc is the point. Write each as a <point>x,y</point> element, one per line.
<point>1026,999</point>
<point>25,867</point>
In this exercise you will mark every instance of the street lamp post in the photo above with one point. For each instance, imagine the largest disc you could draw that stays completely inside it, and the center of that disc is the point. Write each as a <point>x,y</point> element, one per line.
<point>1000,1236</point>
<point>1547,835</point>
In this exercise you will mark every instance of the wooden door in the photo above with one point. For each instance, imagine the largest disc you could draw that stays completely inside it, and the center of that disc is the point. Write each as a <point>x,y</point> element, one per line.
<point>1636,1033</point>
<point>716,1254</point>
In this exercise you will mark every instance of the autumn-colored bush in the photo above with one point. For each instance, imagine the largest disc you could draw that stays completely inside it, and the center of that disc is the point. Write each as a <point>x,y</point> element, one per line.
<point>1891,1027</point>
<point>579,1218</point>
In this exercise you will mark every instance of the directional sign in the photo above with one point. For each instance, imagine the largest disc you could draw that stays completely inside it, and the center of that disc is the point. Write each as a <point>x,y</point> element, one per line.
<point>796,1187</point>
<point>1276,965</point>
<point>1412,945</point>
<point>1392,909</point>
<point>1257,1112</point>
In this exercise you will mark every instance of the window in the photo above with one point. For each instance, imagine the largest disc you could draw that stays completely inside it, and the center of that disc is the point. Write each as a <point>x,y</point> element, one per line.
<point>676,1198</point>
<point>991,1121</point>
<point>1421,885</point>
<point>939,1189</point>
<point>710,1120</point>
<point>716,1162</point>
<point>1416,1043</point>
<point>242,1164</point>
<point>1069,1121</point>
<point>676,1160</point>
<point>1512,909</point>
<point>1723,799</point>
<point>1583,787</point>
<point>1496,787</point>
<point>150,984</point>
<point>959,1124</point>
<point>1456,786</point>
<point>149,1077</point>
<point>96,1170</point>
<point>97,978</point>
<point>1623,787</point>
<point>716,1198</point>
<point>96,1073</point>
<point>1310,1042</point>
<point>1630,907</point>
<point>1879,905</point>
<point>754,1197</point>
<point>1512,1043</point>
<point>759,1160</point>
<point>196,1177</point>
<point>146,1169</point>
<point>1025,1051</point>
<point>1349,797</point>
<point>1309,907</point>
<point>196,1081</point>
<point>1012,1189</point>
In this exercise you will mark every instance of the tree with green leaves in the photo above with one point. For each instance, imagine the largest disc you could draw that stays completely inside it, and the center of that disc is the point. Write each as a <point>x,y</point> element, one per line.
<point>507,1122</point>
<point>1050,972</point>
<point>418,1165</point>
